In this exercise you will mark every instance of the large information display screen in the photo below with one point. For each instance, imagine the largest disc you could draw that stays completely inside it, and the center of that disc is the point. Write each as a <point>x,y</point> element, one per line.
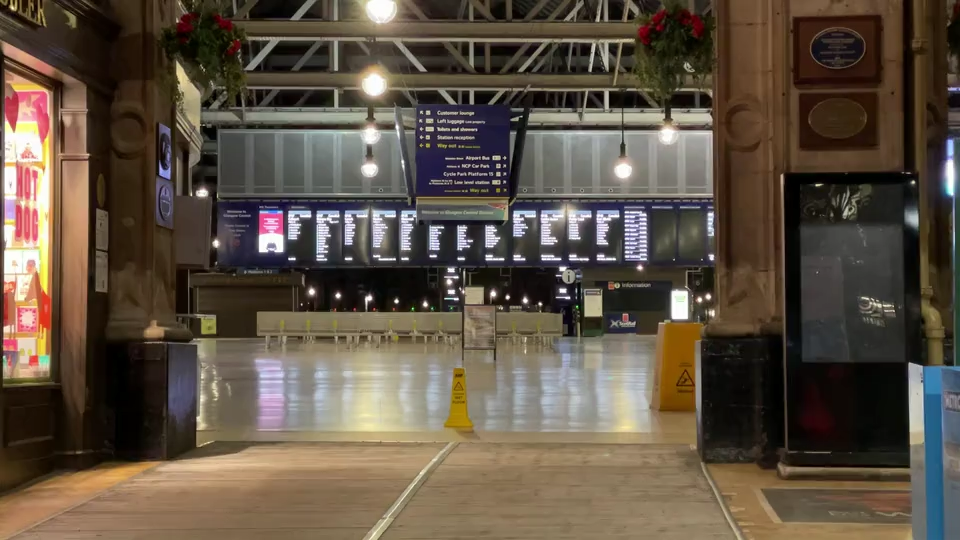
<point>553,235</point>
<point>525,230</point>
<point>356,237</point>
<point>386,232</point>
<point>303,234</point>
<point>609,235</point>
<point>581,235</point>
<point>329,237</point>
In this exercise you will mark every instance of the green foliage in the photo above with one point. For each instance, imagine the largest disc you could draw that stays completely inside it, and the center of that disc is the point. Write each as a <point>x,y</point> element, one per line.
<point>208,46</point>
<point>673,45</point>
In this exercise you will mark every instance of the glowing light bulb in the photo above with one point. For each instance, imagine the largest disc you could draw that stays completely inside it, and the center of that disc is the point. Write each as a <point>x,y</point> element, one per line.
<point>374,84</point>
<point>668,133</point>
<point>381,11</point>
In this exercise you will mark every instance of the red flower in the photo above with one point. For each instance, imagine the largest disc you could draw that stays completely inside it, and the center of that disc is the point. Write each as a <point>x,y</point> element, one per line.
<point>684,16</point>
<point>184,40</point>
<point>698,27</point>
<point>224,24</point>
<point>234,47</point>
<point>659,17</point>
<point>643,34</point>
<point>660,27</point>
<point>190,17</point>
<point>184,27</point>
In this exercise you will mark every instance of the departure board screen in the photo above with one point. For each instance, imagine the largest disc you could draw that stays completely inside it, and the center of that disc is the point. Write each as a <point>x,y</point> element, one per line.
<point>692,235</point>
<point>329,249</point>
<point>356,237</point>
<point>442,243</point>
<point>413,238</point>
<point>635,234</point>
<point>526,236</point>
<point>663,234</point>
<point>386,234</point>
<point>495,237</point>
<point>470,240</point>
<point>581,235</point>
<point>301,236</point>
<point>553,235</point>
<point>711,235</point>
<point>609,248</point>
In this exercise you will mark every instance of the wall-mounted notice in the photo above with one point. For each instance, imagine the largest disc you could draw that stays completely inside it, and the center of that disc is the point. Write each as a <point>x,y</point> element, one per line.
<point>592,303</point>
<point>463,151</point>
<point>479,328</point>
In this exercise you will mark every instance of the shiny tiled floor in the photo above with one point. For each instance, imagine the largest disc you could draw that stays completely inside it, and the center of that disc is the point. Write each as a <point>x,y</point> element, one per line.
<point>303,391</point>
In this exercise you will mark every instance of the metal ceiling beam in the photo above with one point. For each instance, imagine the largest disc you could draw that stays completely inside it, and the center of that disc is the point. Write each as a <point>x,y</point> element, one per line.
<point>319,117</point>
<point>440,31</point>
<point>557,82</point>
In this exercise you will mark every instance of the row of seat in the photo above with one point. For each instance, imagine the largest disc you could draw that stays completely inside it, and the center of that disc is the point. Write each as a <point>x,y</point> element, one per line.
<point>445,327</point>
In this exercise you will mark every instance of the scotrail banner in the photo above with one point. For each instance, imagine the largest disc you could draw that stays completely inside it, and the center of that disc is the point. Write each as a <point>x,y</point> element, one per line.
<point>620,323</point>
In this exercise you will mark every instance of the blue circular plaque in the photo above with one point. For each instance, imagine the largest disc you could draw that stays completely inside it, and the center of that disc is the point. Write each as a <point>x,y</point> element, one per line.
<point>838,48</point>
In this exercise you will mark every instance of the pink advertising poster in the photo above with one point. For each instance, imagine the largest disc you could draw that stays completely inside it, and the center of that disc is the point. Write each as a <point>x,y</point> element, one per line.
<point>270,239</point>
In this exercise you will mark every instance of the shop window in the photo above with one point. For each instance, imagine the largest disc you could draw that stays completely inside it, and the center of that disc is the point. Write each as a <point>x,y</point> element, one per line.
<point>27,229</point>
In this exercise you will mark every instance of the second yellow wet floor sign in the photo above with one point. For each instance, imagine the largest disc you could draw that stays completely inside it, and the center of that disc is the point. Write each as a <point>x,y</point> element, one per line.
<point>459,419</point>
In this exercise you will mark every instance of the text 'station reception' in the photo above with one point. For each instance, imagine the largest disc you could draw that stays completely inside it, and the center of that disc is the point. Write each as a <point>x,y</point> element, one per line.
<point>463,151</point>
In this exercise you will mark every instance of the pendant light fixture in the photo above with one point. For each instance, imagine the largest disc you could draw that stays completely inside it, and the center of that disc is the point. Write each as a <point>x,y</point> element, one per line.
<point>668,133</point>
<point>623,169</point>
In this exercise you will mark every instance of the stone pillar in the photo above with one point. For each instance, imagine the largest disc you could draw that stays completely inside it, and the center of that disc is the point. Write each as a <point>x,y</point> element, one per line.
<point>756,139</point>
<point>153,370</point>
<point>142,262</point>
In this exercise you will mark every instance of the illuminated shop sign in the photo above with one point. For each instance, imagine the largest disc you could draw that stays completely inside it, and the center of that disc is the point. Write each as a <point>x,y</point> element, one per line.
<point>30,11</point>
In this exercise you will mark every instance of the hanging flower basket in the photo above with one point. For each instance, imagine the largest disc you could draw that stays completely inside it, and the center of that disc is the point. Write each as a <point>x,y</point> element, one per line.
<point>673,47</point>
<point>953,32</point>
<point>208,46</point>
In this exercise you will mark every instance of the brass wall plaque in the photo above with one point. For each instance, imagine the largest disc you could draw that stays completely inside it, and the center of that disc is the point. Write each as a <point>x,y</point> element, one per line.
<point>837,118</point>
<point>836,121</point>
<point>30,11</point>
<point>837,51</point>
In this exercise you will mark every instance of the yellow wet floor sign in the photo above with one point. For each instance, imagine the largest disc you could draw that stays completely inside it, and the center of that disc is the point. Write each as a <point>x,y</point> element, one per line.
<point>459,419</point>
<point>674,386</point>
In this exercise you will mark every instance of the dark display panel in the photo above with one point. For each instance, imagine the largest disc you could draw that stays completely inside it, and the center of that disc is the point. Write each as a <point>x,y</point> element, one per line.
<point>413,239</point>
<point>356,237</point>
<point>662,237</point>
<point>635,234</point>
<point>496,247</point>
<point>525,229</point>
<point>329,236</point>
<point>385,236</point>
<point>553,235</point>
<point>581,235</point>
<point>360,233</point>
<point>470,241</point>
<point>852,317</point>
<point>441,243</point>
<point>609,235</point>
<point>711,235</point>
<point>692,235</point>
<point>301,236</point>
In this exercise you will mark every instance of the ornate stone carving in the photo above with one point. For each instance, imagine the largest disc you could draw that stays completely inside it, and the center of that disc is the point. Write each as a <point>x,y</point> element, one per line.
<point>128,129</point>
<point>743,123</point>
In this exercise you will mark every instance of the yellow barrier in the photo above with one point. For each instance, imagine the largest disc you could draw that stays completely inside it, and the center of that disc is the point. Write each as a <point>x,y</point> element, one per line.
<point>459,419</point>
<point>674,387</point>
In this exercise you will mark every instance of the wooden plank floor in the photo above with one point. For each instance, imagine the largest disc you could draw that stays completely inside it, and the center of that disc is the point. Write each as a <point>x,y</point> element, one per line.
<point>564,492</point>
<point>238,491</point>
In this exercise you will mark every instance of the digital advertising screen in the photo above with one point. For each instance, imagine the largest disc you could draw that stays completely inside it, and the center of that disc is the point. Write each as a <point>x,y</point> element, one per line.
<point>609,236</point>
<point>329,248</point>
<point>663,234</point>
<point>495,237</point>
<point>525,229</point>
<point>237,233</point>
<point>270,231</point>
<point>581,235</point>
<point>635,234</point>
<point>692,234</point>
<point>356,237</point>
<point>385,235</point>
<point>442,244</point>
<point>301,236</point>
<point>553,235</point>
<point>413,238</point>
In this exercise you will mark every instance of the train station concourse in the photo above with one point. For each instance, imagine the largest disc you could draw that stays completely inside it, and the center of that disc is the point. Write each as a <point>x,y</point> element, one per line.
<point>499,269</point>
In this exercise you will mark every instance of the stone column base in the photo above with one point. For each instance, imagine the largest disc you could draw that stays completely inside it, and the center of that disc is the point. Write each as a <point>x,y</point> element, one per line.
<point>154,399</point>
<point>740,400</point>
